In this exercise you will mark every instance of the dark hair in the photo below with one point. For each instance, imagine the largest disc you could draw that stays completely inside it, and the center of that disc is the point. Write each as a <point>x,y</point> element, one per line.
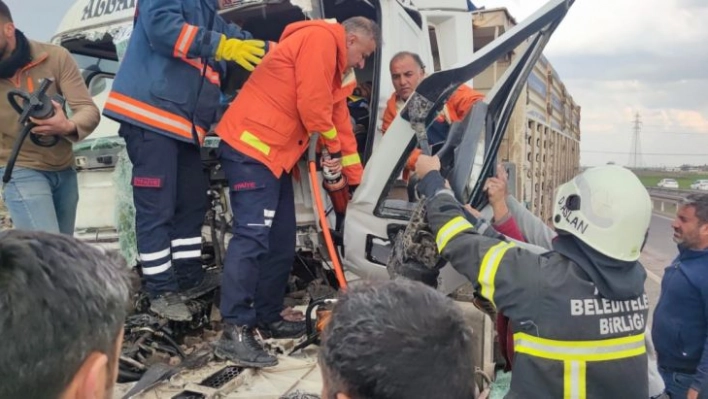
<point>700,203</point>
<point>397,339</point>
<point>365,26</point>
<point>405,54</point>
<point>60,300</point>
<point>5,12</point>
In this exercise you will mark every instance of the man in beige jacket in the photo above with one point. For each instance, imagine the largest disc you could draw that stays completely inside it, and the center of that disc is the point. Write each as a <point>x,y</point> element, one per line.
<point>43,192</point>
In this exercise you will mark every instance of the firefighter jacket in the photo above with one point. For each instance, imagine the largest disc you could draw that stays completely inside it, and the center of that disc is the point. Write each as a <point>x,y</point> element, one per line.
<point>300,88</point>
<point>159,77</point>
<point>578,318</point>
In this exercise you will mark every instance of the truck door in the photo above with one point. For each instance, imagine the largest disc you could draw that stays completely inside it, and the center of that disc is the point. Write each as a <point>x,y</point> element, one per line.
<point>381,205</point>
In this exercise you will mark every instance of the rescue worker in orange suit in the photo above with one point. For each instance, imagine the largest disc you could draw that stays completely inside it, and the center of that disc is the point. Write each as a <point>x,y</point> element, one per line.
<point>162,102</point>
<point>300,88</point>
<point>407,71</point>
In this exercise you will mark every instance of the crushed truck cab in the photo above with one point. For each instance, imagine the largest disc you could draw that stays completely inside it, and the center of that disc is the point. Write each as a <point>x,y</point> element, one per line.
<point>97,32</point>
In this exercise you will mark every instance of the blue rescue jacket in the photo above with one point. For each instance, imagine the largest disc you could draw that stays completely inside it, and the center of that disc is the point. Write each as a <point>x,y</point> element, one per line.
<point>680,326</point>
<point>159,77</point>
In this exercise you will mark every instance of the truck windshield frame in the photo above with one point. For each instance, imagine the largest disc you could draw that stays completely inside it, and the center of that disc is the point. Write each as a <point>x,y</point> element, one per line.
<point>485,127</point>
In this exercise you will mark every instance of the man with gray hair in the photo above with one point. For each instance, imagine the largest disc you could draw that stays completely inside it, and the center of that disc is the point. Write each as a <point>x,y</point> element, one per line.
<point>301,87</point>
<point>396,339</point>
<point>62,308</point>
<point>680,328</point>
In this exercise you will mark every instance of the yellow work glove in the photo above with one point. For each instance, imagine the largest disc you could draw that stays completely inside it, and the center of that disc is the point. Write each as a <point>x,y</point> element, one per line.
<point>247,53</point>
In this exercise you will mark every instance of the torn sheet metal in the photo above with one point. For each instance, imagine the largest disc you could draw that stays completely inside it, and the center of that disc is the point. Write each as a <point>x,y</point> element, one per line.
<point>95,18</point>
<point>305,5</point>
<point>311,8</point>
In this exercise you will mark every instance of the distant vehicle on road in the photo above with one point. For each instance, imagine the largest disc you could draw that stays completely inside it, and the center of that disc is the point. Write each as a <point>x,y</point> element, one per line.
<point>700,185</point>
<point>668,183</point>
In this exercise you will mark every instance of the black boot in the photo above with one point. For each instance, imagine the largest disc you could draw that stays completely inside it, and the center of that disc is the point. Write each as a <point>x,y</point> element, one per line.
<point>238,344</point>
<point>282,329</point>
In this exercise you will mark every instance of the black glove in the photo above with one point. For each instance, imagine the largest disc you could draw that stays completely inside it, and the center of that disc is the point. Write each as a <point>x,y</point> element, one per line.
<point>430,184</point>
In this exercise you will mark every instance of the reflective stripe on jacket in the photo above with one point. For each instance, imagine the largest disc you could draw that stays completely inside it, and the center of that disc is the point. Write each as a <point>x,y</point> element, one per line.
<point>160,74</point>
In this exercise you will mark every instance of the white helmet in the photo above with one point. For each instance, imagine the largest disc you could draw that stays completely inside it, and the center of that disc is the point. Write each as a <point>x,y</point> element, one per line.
<point>607,208</point>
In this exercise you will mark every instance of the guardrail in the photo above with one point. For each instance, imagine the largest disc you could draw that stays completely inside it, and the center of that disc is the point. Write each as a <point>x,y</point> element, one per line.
<point>667,199</point>
<point>678,191</point>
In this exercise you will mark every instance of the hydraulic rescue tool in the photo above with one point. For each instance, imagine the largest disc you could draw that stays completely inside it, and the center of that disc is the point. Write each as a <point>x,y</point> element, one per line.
<point>336,185</point>
<point>317,194</point>
<point>37,105</point>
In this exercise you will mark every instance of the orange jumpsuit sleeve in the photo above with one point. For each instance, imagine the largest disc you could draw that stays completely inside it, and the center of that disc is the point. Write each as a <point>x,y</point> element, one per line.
<point>389,114</point>
<point>351,162</point>
<point>315,67</point>
<point>462,100</point>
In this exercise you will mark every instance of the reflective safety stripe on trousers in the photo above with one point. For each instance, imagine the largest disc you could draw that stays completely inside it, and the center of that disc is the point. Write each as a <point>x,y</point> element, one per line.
<point>155,262</point>
<point>576,354</point>
<point>186,248</point>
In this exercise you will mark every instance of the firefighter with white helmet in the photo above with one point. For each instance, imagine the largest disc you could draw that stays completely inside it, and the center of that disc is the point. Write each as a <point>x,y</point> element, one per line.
<point>578,312</point>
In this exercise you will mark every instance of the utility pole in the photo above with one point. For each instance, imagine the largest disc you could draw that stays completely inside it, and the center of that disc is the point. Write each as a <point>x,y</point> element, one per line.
<point>636,150</point>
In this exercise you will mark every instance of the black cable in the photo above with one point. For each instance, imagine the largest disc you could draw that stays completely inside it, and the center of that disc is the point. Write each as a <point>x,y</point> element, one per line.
<point>127,375</point>
<point>172,342</point>
<point>36,105</point>
<point>16,151</point>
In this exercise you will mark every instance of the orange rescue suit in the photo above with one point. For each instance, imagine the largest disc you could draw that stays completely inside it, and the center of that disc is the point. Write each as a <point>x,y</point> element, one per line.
<point>299,88</point>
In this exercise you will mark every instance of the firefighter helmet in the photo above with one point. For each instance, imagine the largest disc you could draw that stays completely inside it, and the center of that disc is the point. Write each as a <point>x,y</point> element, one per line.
<point>607,208</point>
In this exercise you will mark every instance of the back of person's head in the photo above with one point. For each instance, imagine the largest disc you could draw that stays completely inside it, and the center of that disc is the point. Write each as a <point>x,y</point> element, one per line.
<point>396,339</point>
<point>606,207</point>
<point>63,304</point>
<point>5,14</point>
<point>363,26</point>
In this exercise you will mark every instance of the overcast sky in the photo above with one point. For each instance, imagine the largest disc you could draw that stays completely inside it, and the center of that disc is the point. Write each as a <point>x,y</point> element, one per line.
<point>616,57</point>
